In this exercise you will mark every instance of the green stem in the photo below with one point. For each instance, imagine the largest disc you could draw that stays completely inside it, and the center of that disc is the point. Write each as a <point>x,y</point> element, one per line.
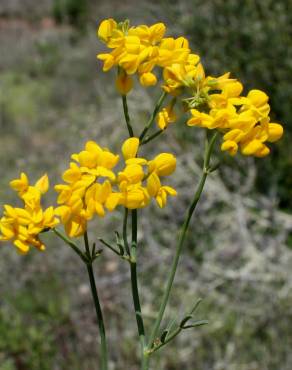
<point>152,137</point>
<point>208,151</point>
<point>145,361</point>
<point>134,283</point>
<point>125,226</point>
<point>103,344</point>
<point>110,247</point>
<point>153,115</point>
<point>127,117</point>
<point>169,338</point>
<point>71,244</point>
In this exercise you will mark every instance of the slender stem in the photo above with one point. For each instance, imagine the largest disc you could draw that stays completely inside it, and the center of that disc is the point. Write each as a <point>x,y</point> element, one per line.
<point>152,137</point>
<point>71,244</point>
<point>169,338</point>
<point>127,117</point>
<point>103,344</point>
<point>110,247</point>
<point>125,225</point>
<point>171,335</point>
<point>145,361</point>
<point>134,283</point>
<point>133,254</point>
<point>153,115</point>
<point>183,232</point>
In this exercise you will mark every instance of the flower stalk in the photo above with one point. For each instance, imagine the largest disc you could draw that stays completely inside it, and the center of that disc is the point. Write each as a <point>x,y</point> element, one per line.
<point>126,115</point>
<point>153,115</point>
<point>134,282</point>
<point>99,315</point>
<point>208,151</point>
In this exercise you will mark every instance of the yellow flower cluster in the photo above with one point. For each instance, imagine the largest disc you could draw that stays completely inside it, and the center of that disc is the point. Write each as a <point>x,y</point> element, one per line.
<point>140,49</point>
<point>91,186</point>
<point>244,120</point>
<point>215,103</point>
<point>23,225</point>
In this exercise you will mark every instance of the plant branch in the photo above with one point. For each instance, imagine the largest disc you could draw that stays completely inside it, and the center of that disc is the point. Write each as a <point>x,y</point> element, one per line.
<point>71,244</point>
<point>134,283</point>
<point>152,137</point>
<point>100,322</point>
<point>208,151</point>
<point>127,117</point>
<point>153,115</point>
<point>125,236</point>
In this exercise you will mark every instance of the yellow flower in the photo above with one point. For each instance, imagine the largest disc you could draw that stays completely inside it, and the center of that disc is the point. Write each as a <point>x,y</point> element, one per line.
<point>275,132</point>
<point>163,164</point>
<point>130,148</point>
<point>255,147</point>
<point>88,188</point>
<point>21,184</point>
<point>23,225</point>
<point>131,174</point>
<point>165,117</point>
<point>105,29</point>
<point>200,119</point>
<point>230,146</point>
<point>148,79</point>
<point>124,83</point>
<point>92,187</point>
<point>244,121</point>
<point>157,191</point>
<point>133,196</point>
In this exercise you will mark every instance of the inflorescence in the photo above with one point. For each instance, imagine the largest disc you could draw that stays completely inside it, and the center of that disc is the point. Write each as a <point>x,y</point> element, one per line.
<point>91,185</point>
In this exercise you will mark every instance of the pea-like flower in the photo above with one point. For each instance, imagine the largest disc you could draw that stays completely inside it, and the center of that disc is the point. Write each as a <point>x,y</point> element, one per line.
<point>23,225</point>
<point>214,102</point>
<point>139,50</point>
<point>92,185</point>
<point>243,120</point>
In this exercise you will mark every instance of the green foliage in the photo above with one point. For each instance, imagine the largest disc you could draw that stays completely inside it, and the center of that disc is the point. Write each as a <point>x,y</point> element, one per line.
<point>72,11</point>
<point>21,98</point>
<point>29,323</point>
<point>252,39</point>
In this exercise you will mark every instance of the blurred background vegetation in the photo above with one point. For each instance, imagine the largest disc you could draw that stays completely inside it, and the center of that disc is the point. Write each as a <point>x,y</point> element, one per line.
<point>54,97</point>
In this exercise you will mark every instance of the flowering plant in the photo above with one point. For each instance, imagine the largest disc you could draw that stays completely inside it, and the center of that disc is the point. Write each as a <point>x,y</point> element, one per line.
<point>93,186</point>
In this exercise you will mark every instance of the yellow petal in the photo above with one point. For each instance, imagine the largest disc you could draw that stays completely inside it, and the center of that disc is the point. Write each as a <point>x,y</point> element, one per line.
<point>7,231</point>
<point>148,79</point>
<point>72,174</point>
<point>43,184</point>
<point>275,132</point>
<point>163,164</point>
<point>153,184</point>
<point>99,209</point>
<point>251,147</point>
<point>130,147</point>
<point>112,201</point>
<point>20,184</point>
<point>257,97</point>
<point>87,159</point>
<point>169,190</point>
<point>22,247</point>
<point>105,29</point>
<point>124,84</point>
<point>229,146</point>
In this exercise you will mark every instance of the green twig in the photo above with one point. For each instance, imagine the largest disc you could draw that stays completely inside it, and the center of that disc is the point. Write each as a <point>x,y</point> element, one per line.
<point>71,244</point>
<point>127,117</point>
<point>208,150</point>
<point>109,246</point>
<point>153,115</point>
<point>152,137</point>
<point>100,322</point>
<point>134,283</point>
<point>125,236</point>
